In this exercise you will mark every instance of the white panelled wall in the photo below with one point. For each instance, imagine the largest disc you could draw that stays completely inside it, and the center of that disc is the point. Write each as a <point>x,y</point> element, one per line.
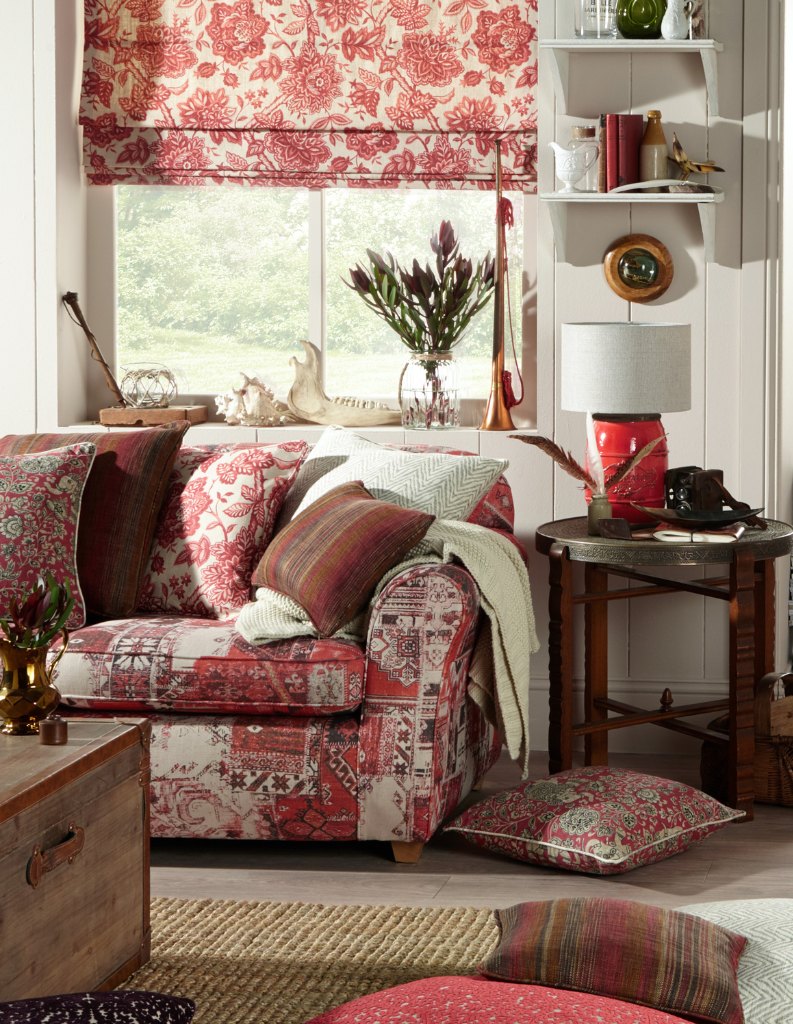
<point>732,304</point>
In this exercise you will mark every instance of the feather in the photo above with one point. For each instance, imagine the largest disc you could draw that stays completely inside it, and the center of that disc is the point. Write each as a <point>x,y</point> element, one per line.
<point>567,462</point>
<point>595,461</point>
<point>625,467</point>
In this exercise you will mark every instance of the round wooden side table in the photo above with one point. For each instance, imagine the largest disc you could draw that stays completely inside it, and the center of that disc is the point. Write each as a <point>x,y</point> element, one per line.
<point>749,590</point>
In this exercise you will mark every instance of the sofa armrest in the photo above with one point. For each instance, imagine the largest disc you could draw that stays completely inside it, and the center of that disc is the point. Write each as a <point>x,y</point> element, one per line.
<point>423,742</point>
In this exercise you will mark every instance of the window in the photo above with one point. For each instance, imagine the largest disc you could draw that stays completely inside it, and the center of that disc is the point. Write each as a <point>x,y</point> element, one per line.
<point>215,280</point>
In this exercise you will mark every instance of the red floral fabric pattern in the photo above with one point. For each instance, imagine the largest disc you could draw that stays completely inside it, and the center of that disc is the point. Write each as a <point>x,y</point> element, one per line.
<point>40,497</point>
<point>596,820</point>
<point>217,518</point>
<point>326,92</point>
<point>170,663</point>
<point>462,1000</point>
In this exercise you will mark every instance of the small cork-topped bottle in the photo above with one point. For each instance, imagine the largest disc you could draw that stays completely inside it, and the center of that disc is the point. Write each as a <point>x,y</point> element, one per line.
<point>653,152</point>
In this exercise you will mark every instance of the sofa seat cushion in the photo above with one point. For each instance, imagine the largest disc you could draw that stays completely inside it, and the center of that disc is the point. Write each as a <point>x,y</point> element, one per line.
<point>201,665</point>
<point>252,777</point>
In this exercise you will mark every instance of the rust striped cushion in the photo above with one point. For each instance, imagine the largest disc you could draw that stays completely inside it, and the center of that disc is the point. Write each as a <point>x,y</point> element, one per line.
<point>331,557</point>
<point>121,500</point>
<point>642,954</point>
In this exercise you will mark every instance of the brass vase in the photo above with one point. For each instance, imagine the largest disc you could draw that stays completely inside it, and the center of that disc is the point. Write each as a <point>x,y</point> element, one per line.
<point>28,693</point>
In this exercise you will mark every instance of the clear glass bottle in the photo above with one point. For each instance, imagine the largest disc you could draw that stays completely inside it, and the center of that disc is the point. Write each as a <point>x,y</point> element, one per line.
<point>653,152</point>
<point>585,135</point>
<point>596,18</point>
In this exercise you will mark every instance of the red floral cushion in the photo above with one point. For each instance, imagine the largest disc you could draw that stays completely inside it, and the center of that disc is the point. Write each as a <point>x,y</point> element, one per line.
<point>597,820</point>
<point>200,665</point>
<point>331,557</point>
<point>216,520</point>
<point>643,954</point>
<point>123,495</point>
<point>456,1000</point>
<point>40,499</point>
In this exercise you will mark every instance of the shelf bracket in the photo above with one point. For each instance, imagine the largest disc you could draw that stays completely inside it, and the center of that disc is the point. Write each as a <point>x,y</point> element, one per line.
<point>707,217</point>
<point>710,68</point>
<point>560,73</point>
<point>558,212</point>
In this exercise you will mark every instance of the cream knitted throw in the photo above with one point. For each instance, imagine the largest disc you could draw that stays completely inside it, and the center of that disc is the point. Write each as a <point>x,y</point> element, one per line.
<point>499,673</point>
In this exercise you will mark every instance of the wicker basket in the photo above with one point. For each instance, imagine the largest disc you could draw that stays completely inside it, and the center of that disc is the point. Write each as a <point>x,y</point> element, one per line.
<point>773,754</point>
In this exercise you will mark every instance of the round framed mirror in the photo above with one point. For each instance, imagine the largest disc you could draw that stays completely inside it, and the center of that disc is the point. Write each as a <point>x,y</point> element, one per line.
<point>638,268</point>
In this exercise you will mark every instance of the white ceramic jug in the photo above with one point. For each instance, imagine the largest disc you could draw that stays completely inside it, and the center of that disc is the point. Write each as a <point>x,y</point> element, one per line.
<point>675,24</point>
<point>572,164</point>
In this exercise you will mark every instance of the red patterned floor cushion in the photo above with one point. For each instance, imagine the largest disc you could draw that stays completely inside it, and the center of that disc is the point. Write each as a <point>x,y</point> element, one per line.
<point>187,664</point>
<point>462,1000</point>
<point>597,820</point>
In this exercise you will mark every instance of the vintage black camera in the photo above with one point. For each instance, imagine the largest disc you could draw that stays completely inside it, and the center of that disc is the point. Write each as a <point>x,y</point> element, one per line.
<point>691,487</point>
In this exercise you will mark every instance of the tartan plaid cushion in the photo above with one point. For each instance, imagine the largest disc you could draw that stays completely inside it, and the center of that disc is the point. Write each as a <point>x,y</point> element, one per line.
<point>331,557</point>
<point>631,951</point>
<point>122,497</point>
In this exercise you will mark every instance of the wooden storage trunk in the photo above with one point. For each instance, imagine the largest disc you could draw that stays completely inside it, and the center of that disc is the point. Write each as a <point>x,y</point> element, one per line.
<point>74,859</point>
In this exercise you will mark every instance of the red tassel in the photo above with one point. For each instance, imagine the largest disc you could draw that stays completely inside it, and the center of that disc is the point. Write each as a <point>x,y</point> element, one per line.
<point>509,395</point>
<point>506,213</point>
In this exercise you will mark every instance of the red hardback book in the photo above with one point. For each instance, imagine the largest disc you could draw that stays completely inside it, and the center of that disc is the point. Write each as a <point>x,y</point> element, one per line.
<point>629,134</point>
<point>612,151</point>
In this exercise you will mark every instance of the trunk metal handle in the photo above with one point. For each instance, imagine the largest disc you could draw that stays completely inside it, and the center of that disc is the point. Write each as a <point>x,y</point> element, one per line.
<point>47,860</point>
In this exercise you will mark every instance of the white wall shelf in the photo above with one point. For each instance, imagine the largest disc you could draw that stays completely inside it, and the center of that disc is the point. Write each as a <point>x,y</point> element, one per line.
<point>558,203</point>
<point>559,51</point>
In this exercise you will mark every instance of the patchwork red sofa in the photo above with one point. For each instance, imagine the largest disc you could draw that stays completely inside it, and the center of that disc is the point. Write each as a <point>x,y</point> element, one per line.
<point>303,738</point>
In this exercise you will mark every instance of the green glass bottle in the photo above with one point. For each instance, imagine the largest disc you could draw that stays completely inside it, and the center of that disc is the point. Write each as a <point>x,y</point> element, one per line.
<point>640,19</point>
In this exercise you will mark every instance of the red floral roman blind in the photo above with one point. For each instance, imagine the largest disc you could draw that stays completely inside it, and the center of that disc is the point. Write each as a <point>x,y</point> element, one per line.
<point>366,93</point>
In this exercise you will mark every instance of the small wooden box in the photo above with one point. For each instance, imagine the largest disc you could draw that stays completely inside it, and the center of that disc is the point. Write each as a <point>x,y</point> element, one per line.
<point>74,859</point>
<point>152,417</point>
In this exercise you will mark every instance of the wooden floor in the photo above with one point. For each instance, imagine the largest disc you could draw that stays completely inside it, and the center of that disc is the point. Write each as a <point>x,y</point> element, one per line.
<point>742,861</point>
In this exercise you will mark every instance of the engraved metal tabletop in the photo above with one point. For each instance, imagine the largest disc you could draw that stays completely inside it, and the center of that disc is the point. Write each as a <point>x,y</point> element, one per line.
<point>770,543</point>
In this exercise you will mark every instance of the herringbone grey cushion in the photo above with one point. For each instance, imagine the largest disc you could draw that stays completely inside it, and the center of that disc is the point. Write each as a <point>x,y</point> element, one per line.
<point>765,971</point>
<point>445,486</point>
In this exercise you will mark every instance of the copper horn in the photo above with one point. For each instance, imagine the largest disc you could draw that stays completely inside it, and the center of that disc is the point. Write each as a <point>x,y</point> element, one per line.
<point>497,415</point>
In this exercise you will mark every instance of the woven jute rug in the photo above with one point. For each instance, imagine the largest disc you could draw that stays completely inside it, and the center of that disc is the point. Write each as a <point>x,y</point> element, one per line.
<point>284,963</point>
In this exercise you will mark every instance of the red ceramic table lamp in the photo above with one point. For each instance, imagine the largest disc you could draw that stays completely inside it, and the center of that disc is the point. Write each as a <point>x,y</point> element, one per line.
<point>627,374</point>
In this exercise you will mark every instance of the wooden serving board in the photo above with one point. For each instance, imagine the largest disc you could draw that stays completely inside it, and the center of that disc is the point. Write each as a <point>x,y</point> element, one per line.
<point>82,923</point>
<point>152,417</point>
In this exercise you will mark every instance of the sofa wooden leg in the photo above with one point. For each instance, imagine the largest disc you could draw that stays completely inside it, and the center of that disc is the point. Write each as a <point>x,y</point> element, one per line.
<point>478,785</point>
<point>407,853</point>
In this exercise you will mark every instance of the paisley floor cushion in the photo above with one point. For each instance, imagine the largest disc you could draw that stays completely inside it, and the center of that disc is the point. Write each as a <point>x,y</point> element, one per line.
<point>169,662</point>
<point>463,1000</point>
<point>596,820</point>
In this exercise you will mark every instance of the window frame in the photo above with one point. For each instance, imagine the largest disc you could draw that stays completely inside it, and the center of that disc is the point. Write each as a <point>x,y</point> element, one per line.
<point>102,229</point>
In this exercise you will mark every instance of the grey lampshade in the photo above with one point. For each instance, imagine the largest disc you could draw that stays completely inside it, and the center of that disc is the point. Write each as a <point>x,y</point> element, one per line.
<point>626,368</point>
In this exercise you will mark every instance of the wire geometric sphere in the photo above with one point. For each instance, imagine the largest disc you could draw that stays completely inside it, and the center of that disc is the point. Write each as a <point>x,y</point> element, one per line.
<point>148,385</point>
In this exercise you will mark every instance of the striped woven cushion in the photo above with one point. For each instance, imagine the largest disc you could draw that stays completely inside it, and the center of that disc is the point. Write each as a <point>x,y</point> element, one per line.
<point>331,557</point>
<point>121,500</point>
<point>642,954</point>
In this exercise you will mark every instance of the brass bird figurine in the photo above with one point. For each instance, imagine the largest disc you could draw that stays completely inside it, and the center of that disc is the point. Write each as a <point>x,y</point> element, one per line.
<point>687,165</point>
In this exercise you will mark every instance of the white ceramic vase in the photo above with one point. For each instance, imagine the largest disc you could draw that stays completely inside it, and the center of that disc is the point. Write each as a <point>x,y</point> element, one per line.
<point>675,24</point>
